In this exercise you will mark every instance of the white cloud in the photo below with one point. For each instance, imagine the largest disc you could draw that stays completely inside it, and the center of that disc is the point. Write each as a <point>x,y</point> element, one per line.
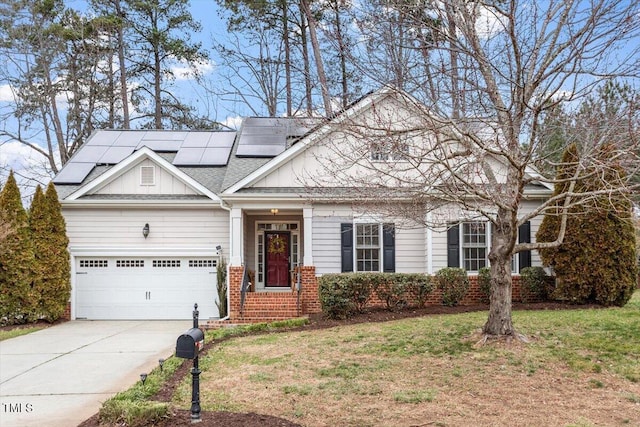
<point>184,71</point>
<point>488,23</point>
<point>6,94</point>
<point>233,122</point>
<point>28,166</point>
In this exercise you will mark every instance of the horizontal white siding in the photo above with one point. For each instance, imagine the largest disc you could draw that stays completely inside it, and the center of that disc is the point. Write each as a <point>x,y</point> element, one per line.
<point>410,243</point>
<point>326,242</point>
<point>411,256</point>
<point>440,238</point>
<point>170,227</point>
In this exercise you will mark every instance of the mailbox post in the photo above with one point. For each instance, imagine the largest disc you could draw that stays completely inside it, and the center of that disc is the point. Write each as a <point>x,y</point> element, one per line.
<point>188,346</point>
<point>195,376</point>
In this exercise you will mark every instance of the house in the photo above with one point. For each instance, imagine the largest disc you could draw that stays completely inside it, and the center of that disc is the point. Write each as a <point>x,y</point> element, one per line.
<point>150,214</point>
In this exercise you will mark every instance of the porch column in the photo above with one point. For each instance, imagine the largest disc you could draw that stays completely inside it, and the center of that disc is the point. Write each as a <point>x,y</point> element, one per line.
<point>307,214</point>
<point>236,237</point>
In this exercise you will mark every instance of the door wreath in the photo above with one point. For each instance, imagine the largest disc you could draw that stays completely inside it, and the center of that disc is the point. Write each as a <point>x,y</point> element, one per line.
<point>276,245</point>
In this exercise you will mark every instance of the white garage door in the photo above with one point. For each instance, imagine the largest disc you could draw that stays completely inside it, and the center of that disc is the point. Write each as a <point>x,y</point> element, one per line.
<point>145,287</point>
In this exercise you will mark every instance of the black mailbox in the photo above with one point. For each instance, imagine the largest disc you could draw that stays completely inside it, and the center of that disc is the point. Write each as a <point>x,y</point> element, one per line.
<point>190,343</point>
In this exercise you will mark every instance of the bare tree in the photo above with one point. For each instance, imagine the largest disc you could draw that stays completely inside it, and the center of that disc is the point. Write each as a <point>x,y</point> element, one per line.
<point>513,62</point>
<point>253,72</point>
<point>52,67</point>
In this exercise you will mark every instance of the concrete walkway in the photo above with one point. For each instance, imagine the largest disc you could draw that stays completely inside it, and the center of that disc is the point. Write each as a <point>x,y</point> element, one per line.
<point>59,376</point>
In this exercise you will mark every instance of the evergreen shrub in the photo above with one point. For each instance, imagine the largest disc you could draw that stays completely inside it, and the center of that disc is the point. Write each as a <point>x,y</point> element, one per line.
<point>453,283</point>
<point>536,284</point>
<point>345,294</point>
<point>484,283</point>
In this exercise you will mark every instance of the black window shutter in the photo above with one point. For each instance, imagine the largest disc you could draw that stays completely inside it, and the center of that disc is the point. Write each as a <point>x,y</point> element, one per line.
<point>524,236</point>
<point>346,246</point>
<point>388,248</point>
<point>453,246</point>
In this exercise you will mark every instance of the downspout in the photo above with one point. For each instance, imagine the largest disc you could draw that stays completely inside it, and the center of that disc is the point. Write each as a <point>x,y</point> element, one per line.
<point>224,206</point>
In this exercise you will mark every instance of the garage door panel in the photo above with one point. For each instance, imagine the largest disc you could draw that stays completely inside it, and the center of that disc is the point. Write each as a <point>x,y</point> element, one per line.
<point>145,288</point>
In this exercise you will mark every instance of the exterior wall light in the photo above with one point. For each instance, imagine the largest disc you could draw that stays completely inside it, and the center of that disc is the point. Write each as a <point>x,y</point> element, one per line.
<point>145,230</point>
<point>274,211</point>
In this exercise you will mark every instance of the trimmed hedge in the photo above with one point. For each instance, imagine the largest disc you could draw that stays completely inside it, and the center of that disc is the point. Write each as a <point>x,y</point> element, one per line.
<point>345,294</point>
<point>454,284</point>
<point>537,284</point>
<point>484,283</point>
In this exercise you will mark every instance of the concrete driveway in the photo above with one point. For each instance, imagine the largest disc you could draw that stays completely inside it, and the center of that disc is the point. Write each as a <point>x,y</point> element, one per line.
<point>59,376</point>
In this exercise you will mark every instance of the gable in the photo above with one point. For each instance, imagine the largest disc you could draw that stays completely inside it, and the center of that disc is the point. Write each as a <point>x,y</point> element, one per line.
<point>144,173</point>
<point>144,178</point>
<point>369,144</point>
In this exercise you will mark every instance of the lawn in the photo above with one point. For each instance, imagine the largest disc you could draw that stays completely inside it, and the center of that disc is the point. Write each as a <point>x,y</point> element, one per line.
<point>6,334</point>
<point>580,368</point>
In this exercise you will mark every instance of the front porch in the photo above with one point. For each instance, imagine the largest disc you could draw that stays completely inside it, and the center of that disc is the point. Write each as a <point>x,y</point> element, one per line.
<point>249,306</point>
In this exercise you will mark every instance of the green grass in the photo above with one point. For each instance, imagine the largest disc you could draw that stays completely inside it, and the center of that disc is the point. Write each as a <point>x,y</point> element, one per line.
<point>5,335</point>
<point>388,360</point>
<point>133,407</point>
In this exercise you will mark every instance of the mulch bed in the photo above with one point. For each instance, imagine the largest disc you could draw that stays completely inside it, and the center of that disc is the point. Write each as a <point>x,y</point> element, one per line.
<point>182,417</point>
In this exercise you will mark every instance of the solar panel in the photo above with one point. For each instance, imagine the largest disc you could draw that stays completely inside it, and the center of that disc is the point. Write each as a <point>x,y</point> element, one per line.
<point>217,156</point>
<point>259,150</point>
<point>103,138</point>
<point>128,139</point>
<point>222,139</point>
<point>90,153</point>
<point>115,155</point>
<point>196,139</point>
<point>164,135</point>
<point>160,145</point>
<point>189,156</point>
<point>73,173</point>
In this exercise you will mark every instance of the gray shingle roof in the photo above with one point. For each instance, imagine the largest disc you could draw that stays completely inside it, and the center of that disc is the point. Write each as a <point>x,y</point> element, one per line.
<point>215,176</point>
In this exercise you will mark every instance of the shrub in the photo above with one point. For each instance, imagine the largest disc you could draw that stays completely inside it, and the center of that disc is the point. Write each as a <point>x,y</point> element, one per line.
<point>454,284</point>
<point>335,296</point>
<point>221,286</point>
<point>393,293</point>
<point>51,287</point>
<point>420,287</point>
<point>484,283</point>
<point>16,258</point>
<point>596,261</point>
<point>342,295</point>
<point>535,284</point>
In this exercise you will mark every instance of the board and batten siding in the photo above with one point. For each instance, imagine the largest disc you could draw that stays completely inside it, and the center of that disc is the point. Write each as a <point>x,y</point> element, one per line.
<point>169,227</point>
<point>129,182</point>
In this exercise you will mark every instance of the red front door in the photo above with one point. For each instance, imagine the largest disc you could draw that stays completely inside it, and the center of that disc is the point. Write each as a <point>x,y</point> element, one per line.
<point>277,245</point>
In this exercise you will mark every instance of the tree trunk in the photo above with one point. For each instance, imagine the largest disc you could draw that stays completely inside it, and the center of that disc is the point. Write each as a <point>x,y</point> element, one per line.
<point>307,66</point>
<point>287,56</point>
<point>503,238</point>
<point>123,70</point>
<point>322,77</point>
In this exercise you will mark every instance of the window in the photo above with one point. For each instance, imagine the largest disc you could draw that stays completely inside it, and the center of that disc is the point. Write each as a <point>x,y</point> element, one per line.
<point>468,246</point>
<point>147,175</point>
<point>94,263</point>
<point>367,247</point>
<point>371,246</point>
<point>166,263</point>
<point>474,245</point>
<point>389,151</point>
<point>129,263</point>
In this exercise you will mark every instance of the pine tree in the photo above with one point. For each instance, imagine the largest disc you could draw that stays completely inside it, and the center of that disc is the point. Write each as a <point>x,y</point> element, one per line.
<point>596,261</point>
<point>51,283</point>
<point>16,258</point>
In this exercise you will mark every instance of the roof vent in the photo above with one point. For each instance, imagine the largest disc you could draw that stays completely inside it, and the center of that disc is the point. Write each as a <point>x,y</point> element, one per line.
<point>147,175</point>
